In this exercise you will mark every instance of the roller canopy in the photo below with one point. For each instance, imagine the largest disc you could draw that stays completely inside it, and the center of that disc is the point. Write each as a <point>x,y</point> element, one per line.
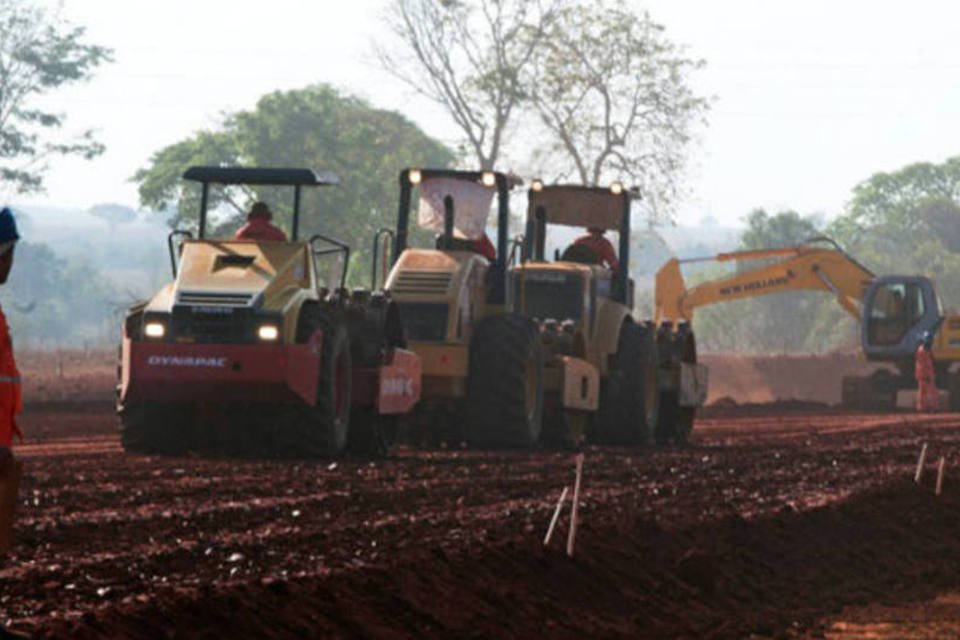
<point>261,175</point>
<point>578,206</point>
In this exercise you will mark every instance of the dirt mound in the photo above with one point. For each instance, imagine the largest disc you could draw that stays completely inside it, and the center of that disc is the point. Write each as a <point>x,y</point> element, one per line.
<point>732,579</point>
<point>762,522</point>
<point>770,378</point>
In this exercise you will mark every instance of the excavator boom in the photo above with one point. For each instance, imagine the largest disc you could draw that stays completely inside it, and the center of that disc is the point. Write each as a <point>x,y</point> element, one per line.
<point>804,267</point>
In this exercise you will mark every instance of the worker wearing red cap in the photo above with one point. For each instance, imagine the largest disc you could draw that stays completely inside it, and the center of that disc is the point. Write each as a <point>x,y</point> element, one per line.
<point>927,395</point>
<point>596,241</point>
<point>258,225</point>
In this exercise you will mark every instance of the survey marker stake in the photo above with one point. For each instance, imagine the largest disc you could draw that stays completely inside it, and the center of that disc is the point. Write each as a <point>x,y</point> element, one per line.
<point>920,461</point>
<point>573,509</point>
<point>940,468</point>
<point>556,516</point>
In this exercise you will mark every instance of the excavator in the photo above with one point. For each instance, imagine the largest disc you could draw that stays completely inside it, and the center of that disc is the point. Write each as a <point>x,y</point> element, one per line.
<point>893,311</point>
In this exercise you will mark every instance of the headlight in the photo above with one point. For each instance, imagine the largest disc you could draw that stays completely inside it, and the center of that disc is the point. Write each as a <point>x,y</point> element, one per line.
<point>154,330</point>
<point>268,332</point>
<point>414,176</point>
<point>488,179</point>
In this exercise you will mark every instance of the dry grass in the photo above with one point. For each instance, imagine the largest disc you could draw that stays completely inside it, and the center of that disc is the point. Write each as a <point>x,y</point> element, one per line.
<point>67,374</point>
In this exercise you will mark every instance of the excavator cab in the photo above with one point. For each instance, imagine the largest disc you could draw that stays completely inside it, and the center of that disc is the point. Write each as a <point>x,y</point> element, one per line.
<point>897,311</point>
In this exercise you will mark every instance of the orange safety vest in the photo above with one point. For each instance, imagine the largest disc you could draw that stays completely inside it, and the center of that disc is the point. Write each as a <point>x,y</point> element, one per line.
<point>11,400</point>
<point>924,372</point>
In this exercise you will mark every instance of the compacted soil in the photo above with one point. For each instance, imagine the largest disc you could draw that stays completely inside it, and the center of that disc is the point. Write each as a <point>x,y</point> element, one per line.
<point>778,524</point>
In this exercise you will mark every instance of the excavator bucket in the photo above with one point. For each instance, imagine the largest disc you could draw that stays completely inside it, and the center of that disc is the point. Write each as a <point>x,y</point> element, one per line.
<point>9,488</point>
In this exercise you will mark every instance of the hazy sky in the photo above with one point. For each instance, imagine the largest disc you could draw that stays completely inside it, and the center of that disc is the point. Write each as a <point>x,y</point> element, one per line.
<point>811,96</point>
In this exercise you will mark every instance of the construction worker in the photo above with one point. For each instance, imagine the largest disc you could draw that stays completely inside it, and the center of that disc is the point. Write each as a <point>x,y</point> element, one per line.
<point>927,398</point>
<point>596,241</point>
<point>10,401</point>
<point>258,225</point>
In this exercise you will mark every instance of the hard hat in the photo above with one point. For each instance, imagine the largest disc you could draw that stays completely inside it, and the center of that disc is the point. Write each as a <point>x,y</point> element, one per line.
<point>8,227</point>
<point>926,339</point>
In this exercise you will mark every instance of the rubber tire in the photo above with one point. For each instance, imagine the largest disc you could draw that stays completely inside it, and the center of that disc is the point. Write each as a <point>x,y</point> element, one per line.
<point>629,406</point>
<point>504,403</point>
<point>322,430</point>
<point>371,434</point>
<point>675,423</point>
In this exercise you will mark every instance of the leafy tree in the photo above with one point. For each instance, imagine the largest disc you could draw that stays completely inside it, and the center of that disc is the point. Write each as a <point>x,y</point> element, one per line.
<point>893,198</point>
<point>469,57</point>
<point>785,229</point>
<point>908,221</point>
<point>114,214</point>
<point>613,93</point>
<point>39,51</point>
<point>316,127</point>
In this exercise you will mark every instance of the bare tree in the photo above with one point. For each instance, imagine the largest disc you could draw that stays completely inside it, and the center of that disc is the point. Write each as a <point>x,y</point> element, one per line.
<point>613,92</point>
<point>469,56</point>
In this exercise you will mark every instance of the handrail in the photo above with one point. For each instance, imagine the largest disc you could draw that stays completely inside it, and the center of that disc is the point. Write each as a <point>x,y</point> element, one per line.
<point>389,237</point>
<point>338,247</point>
<point>173,256</point>
<point>516,244</point>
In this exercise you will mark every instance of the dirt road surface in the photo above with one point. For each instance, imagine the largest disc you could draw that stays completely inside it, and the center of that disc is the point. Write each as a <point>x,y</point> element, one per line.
<point>777,525</point>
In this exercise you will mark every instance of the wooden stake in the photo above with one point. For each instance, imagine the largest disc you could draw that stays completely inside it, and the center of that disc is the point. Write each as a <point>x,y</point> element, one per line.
<point>576,504</point>
<point>940,467</point>
<point>920,461</point>
<point>556,516</point>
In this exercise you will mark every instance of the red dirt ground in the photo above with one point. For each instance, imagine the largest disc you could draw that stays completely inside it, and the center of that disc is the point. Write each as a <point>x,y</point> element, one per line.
<point>779,525</point>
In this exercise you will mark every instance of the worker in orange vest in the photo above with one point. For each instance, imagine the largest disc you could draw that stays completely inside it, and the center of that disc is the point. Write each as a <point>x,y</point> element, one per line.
<point>596,241</point>
<point>923,371</point>
<point>10,399</point>
<point>258,225</point>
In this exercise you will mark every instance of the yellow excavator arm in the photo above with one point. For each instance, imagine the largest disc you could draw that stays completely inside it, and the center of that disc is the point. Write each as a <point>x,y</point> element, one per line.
<point>804,267</point>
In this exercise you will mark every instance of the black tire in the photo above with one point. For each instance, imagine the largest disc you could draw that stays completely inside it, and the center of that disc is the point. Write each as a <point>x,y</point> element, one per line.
<point>322,430</point>
<point>675,423</point>
<point>372,434</point>
<point>629,394</point>
<point>376,330</point>
<point>504,404</point>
